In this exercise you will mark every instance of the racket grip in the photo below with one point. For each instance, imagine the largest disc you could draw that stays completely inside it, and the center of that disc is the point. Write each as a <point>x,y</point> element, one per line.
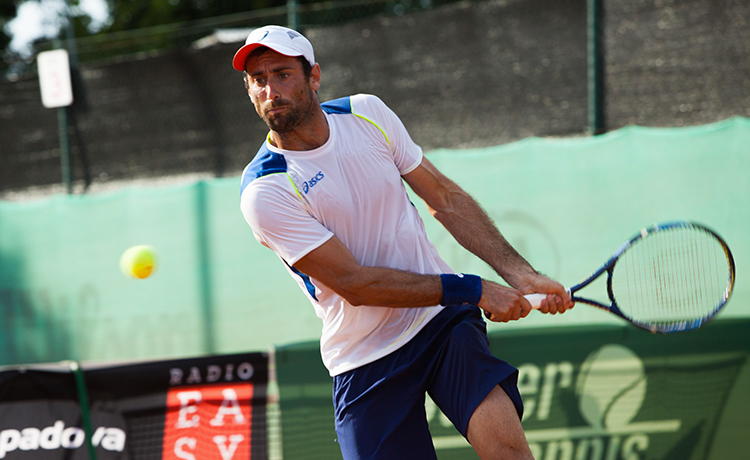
<point>535,300</point>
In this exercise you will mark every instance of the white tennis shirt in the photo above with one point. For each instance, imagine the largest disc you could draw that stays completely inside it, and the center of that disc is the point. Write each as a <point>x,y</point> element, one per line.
<point>350,187</point>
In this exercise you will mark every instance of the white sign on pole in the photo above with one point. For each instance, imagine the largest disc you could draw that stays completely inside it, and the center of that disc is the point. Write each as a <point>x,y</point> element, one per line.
<point>54,78</point>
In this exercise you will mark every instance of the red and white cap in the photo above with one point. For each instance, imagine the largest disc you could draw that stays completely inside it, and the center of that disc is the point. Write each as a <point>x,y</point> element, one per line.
<point>285,41</point>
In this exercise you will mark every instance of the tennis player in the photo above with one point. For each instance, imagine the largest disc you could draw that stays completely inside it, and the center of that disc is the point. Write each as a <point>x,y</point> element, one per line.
<point>326,193</point>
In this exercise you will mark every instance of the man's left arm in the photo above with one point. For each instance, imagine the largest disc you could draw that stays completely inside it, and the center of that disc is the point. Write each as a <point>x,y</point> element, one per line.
<point>473,229</point>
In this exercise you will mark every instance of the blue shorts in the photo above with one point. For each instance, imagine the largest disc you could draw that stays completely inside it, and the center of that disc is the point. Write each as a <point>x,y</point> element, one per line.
<point>380,407</point>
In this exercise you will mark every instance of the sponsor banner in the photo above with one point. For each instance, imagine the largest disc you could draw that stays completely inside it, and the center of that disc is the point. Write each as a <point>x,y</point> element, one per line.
<point>619,393</point>
<point>590,393</point>
<point>188,409</point>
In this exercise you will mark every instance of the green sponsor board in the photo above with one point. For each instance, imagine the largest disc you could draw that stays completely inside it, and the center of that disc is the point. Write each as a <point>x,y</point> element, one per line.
<point>590,393</point>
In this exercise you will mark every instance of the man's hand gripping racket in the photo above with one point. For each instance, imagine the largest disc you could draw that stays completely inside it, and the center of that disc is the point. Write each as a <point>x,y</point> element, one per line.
<point>672,277</point>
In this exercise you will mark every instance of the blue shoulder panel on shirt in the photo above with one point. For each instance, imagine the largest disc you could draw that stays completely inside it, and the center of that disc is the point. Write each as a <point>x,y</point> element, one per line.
<point>341,105</point>
<point>265,162</point>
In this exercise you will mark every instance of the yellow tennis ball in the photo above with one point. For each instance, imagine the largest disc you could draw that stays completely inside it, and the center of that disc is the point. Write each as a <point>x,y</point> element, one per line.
<point>138,261</point>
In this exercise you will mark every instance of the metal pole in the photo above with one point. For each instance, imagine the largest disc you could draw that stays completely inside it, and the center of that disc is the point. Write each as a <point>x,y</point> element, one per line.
<point>62,112</point>
<point>62,123</point>
<point>83,400</point>
<point>291,14</point>
<point>64,134</point>
<point>595,66</point>
<point>70,37</point>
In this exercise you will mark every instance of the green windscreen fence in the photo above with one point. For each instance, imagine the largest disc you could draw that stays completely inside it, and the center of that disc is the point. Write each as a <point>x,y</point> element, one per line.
<point>566,204</point>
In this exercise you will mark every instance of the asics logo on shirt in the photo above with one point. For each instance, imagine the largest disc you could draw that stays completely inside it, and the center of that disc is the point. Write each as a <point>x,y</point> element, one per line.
<point>307,185</point>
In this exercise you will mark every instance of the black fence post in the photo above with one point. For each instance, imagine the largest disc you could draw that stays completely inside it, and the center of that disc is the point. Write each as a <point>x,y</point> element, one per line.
<point>595,67</point>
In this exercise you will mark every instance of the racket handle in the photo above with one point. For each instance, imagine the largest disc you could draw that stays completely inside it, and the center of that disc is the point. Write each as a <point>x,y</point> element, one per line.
<point>535,300</point>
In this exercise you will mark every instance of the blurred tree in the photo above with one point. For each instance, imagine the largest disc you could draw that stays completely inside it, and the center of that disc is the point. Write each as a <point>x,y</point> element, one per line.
<point>134,14</point>
<point>124,15</point>
<point>7,12</point>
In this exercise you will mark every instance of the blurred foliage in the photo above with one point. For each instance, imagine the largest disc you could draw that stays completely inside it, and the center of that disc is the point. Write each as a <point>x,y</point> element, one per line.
<point>156,24</point>
<point>152,26</point>
<point>7,12</point>
<point>135,14</point>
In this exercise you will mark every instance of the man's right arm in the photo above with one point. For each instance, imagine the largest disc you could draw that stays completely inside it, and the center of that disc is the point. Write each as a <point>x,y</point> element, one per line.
<point>462,216</point>
<point>334,265</point>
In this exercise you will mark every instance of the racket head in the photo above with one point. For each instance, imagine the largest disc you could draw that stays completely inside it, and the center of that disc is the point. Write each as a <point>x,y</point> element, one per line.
<point>670,278</point>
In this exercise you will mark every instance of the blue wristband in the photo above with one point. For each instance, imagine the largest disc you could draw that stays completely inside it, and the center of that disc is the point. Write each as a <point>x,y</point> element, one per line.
<point>461,289</point>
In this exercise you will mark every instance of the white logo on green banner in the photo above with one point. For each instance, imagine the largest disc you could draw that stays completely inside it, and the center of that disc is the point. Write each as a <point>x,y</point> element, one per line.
<point>610,388</point>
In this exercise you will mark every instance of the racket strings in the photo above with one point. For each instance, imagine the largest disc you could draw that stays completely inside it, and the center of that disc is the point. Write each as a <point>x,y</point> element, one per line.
<point>672,276</point>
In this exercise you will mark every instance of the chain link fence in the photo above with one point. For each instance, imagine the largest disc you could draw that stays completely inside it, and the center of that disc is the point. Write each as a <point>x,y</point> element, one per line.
<point>153,102</point>
<point>149,41</point>
<point>163,103</point>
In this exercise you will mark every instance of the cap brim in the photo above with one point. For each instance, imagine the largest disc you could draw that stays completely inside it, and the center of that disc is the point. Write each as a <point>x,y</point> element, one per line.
<point>240,57</point>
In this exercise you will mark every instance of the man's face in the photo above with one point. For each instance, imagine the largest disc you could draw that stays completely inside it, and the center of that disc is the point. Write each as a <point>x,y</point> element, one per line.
<point>279,89</point>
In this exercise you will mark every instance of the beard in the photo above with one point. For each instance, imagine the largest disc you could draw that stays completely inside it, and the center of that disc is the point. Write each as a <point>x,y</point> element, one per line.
<point>296,110</point>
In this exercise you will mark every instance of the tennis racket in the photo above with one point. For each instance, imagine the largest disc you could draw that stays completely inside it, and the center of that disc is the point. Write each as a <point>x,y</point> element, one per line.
<point>673,277</point>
